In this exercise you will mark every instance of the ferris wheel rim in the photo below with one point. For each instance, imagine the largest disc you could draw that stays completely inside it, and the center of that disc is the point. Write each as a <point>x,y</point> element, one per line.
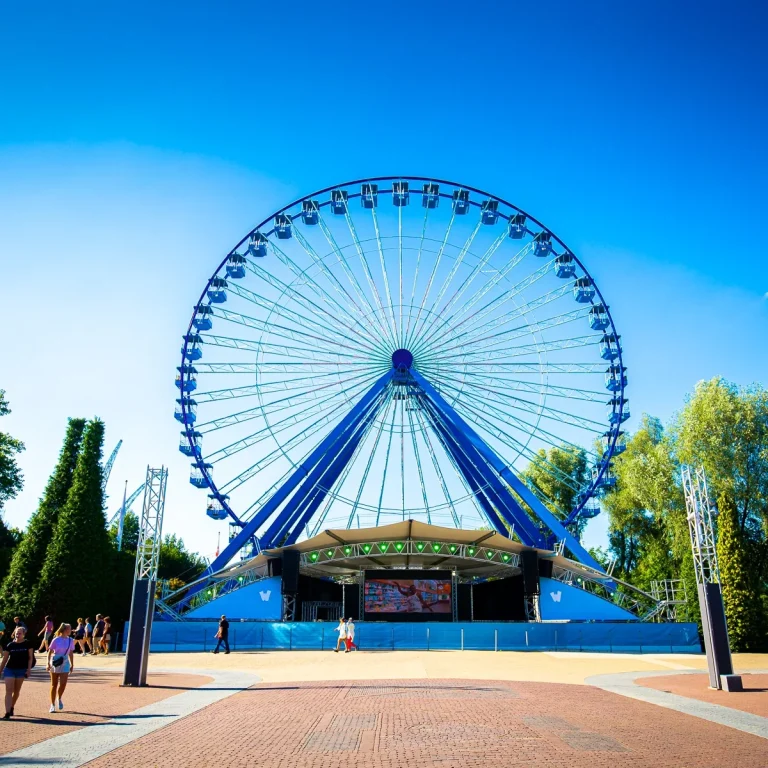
<point>613,431</point>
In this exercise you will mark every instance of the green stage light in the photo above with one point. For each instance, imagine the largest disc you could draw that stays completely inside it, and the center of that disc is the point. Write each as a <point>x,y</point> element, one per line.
<point>383,546</point>
<point>505,557</point>
<point>471,551</point>
<point>239,578</point>
<point>367,548</point>
<point>489,554</point>
<point>436,547</point>
<point>420,546</point>
<point>329,553</point>
<point>452,548</point>
<point>313,556</point>
<point>347,550</point>
<point>210,592</point>
<point>399,546</point>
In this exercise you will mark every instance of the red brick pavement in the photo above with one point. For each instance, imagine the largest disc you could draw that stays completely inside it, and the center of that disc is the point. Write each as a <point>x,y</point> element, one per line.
<point>754,699</point>
<point>92,696</point>
<point>451,724</point>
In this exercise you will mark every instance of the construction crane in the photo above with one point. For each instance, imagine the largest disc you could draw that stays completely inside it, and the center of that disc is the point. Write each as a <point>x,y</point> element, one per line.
<point>108,467</point>
<point>119,516</point>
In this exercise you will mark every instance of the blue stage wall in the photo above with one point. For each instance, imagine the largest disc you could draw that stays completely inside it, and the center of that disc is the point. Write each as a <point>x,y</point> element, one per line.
<point>627,637</point>
<point>260,600</point>
<point>562,602</point>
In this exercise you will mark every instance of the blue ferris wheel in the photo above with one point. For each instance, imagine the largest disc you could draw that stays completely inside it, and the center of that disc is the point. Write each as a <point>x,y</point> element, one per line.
<point>399,348</point>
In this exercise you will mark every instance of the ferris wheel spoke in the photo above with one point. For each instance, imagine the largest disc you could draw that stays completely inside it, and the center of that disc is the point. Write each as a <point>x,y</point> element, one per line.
<point>544,366</point>
<point>428,323</point>
<point>357,313</point>
<point>418,465</point>
<point>482,342</point>
<point>319,315</point>
<point>326,230</point>
<point>416,274</point>
<point>369,275</point>
<point>493,305</point>
<point>288,351</point>
<point>388,402</point>
<point>386,460</point>
<point>436,467</point>
<point>384,272</point>
<point>284,332</point>
<point>484,289</point>
<point>435,266</point>
<point>365,316</point>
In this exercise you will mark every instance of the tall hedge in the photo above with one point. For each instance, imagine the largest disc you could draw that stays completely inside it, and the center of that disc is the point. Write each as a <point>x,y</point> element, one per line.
<point>18,587</point>
<point>75,578</point>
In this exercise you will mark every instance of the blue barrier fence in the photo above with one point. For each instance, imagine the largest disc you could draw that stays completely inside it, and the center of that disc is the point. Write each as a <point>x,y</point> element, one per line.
<point>571,636</point>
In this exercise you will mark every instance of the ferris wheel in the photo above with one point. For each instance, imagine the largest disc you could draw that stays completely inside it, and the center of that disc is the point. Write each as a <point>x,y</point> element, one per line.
<point>400,348</point>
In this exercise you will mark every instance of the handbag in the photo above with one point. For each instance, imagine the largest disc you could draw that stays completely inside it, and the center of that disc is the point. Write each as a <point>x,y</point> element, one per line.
<point>57,661</point>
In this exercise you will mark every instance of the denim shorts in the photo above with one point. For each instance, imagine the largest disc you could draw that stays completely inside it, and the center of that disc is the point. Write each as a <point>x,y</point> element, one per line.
<point>8,673</point>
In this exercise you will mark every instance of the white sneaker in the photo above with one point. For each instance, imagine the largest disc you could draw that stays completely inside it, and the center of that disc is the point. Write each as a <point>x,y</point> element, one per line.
<point>52,709</point>
<point>61,704</point>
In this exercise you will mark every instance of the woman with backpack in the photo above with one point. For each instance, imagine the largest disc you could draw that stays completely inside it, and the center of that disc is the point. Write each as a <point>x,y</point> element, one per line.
<point>16,666</point>
<point>61,662</point>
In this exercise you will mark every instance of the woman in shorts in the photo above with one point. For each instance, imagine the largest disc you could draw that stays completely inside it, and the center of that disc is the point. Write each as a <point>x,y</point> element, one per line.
<point>80,635</point>
<point>107,637</point>
<point>61,662</point>
<point>47,633</point>
<point>16,666</point>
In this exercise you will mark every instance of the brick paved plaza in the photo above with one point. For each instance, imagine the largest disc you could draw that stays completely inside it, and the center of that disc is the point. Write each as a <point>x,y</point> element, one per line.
<point>388,722</point>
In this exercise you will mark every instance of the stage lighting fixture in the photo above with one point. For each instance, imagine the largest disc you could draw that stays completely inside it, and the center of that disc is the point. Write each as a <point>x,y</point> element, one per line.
<point>347,550</point>
<point>505,557</point>
<point>471,551</point>
<point>313,556</point>
<point>436,547</point>
<point>329,553</point>
<point>452,548</point>
<point>399,546</point>
<point>367,548</point>
<point>420,546</point>
<point>489,554</point>
<point>383,546</point>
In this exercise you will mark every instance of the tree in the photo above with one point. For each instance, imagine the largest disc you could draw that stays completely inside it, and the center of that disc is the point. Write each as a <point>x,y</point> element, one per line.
<point>558,475</point>
<point>178,563</point>
<point>9,540</point>
<point>11,478</point>
<point>18,588</point>
<point>75,578</point>
<point>743,609</point>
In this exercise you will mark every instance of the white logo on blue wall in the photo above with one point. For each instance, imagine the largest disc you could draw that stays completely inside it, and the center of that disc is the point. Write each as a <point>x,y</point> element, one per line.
<point>556,596</point>
<point>265,595</point>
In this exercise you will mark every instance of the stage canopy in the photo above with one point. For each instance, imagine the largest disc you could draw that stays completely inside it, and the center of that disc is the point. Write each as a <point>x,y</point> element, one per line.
<point>342,552</point>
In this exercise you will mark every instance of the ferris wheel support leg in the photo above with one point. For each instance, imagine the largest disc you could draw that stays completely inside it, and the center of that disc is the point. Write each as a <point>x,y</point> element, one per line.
<point>517,485</point>
<point>315,487</point>
<point>484,486</point>
<point>301,472</point>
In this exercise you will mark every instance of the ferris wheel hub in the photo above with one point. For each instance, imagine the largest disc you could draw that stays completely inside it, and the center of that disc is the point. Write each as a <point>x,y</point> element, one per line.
<point>402,358</point>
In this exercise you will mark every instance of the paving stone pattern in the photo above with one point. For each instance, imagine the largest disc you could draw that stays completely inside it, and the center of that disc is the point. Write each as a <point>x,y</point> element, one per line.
<point>442,723</point>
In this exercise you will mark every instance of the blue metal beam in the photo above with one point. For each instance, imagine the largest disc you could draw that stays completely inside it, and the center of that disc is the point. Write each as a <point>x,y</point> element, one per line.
<point>299,474</point>
<point>505,503</point>
<point>547,517</point>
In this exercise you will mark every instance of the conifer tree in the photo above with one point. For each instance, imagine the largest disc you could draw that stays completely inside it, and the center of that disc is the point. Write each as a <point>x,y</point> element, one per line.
<point>740,593</point>
<point>18,587</point>
<point>75,576</point>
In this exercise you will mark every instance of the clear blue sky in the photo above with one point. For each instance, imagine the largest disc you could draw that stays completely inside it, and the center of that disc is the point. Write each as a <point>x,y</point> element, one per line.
<point>139,143</point>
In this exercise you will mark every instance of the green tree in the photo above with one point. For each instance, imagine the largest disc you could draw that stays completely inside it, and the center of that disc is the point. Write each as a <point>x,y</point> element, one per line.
<point>746,621</point>
<point>557,476</point>
<point>176,562</point>
<point>9,540</point>
<point>75,577</point>
<point>11,478</point>
<point>18,588</point>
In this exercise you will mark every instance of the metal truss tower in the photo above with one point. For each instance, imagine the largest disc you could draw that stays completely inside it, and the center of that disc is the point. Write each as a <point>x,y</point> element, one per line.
<point>145,578</point>
<point>699,511</point>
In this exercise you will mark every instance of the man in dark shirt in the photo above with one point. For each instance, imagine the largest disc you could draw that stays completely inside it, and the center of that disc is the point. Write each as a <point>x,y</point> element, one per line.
<point>223,635</point>
<point>98,633</point>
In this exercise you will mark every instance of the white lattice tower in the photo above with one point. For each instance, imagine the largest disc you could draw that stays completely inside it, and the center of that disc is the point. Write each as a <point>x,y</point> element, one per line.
<point>699,511</point>
<point>151,524</point>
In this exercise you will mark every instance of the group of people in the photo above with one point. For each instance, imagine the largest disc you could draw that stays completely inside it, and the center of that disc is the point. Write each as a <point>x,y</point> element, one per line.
<point>346,630</point>
<point>18,657</point>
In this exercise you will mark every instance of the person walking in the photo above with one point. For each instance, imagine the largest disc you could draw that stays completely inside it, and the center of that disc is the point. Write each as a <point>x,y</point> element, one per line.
<point>98,633</point>
<point>17,622</point>
<point>80,636</point>
<point>47,633</point>
<point>107,637</point>
<point>223,635</point>
<point>61,663</point>
<point>88,636</point>
<point>342,630</point>
<point>350,635</point>
<point>16,666</point>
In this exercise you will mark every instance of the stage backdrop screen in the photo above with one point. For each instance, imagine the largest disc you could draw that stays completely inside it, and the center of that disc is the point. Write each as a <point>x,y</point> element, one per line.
<point>401,595</point>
